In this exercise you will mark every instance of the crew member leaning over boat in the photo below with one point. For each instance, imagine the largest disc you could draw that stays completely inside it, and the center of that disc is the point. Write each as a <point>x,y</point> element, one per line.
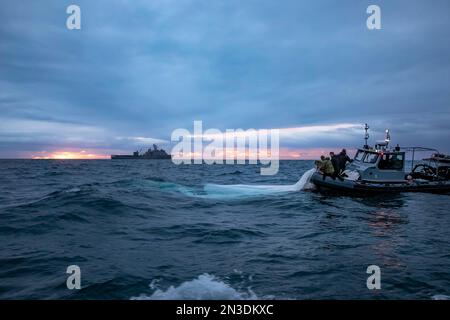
<point>325,166</point>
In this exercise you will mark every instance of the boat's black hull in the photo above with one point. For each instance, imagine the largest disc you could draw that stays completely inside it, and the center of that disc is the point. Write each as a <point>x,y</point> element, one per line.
<point>358,187</point>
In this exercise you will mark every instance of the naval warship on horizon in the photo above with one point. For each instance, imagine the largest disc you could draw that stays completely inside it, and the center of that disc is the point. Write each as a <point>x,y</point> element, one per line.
<point>154,153</point>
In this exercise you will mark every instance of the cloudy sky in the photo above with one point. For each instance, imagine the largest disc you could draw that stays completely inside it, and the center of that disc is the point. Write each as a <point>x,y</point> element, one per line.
<point>138,69</point>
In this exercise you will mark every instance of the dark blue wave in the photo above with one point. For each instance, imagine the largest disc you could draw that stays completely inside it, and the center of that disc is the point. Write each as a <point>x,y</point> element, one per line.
<point>129,224</point>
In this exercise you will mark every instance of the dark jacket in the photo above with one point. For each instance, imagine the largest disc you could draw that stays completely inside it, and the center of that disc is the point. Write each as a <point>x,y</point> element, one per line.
<point>342,159</point>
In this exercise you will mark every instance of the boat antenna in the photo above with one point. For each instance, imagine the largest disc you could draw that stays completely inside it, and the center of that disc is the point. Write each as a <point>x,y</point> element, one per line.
<point>366,136</point>
<point>388,138</point>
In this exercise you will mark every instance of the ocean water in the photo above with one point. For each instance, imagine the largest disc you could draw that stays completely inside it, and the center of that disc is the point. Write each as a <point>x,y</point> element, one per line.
<point>153,230</point>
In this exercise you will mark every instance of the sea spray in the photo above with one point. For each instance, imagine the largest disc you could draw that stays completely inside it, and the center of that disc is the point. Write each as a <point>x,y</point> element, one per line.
<point>204,287</point>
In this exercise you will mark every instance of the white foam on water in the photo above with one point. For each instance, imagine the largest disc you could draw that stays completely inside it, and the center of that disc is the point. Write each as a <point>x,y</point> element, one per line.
<point>72,190</point>
<point>248,190</point>
<point>204,287</point>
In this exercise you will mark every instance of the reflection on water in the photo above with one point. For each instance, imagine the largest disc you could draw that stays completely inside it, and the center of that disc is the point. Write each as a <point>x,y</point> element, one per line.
<point>385,223</point>
<point>393,201</point>
<point>385,216</point>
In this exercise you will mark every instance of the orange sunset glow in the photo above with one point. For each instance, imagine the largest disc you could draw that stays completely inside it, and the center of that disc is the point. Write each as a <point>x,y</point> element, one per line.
<point>284,153</point>
<point>66,155</point>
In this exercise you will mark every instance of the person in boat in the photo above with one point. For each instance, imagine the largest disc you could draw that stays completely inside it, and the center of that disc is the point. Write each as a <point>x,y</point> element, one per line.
<point>335,162</point>
<point>342,159</point>
<point>326,167</point>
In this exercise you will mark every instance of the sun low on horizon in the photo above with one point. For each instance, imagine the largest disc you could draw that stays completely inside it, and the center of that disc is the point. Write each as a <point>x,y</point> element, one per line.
<point>69,155</point>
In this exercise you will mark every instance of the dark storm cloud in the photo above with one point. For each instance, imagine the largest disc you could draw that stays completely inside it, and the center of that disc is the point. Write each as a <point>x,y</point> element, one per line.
<point>140,69</point>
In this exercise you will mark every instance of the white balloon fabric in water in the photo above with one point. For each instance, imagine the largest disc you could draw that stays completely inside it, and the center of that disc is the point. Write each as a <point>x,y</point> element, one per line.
<point>237,191</point>
<point>249,190</point>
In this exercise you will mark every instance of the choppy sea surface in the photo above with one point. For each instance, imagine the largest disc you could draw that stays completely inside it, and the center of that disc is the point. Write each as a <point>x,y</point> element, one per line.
<point>152,230</point>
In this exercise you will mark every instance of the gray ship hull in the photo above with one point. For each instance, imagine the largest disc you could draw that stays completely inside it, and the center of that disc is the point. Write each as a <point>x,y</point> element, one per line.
<point>131,157</point>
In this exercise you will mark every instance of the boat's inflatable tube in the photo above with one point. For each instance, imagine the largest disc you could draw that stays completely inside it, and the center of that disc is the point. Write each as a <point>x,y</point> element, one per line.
<point>359,186</point>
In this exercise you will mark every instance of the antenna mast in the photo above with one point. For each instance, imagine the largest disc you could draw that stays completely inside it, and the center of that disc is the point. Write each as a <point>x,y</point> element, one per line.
<point>388,138</point>
<point>366,136</point>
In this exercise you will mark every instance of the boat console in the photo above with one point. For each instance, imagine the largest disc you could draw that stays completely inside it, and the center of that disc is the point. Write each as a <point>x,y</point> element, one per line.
<point>378,165</point>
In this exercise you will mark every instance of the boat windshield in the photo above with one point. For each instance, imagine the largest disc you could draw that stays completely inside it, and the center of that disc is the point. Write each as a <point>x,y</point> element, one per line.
<point>371,157</point>
<point>391,161</point>
<point>359,155</point>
